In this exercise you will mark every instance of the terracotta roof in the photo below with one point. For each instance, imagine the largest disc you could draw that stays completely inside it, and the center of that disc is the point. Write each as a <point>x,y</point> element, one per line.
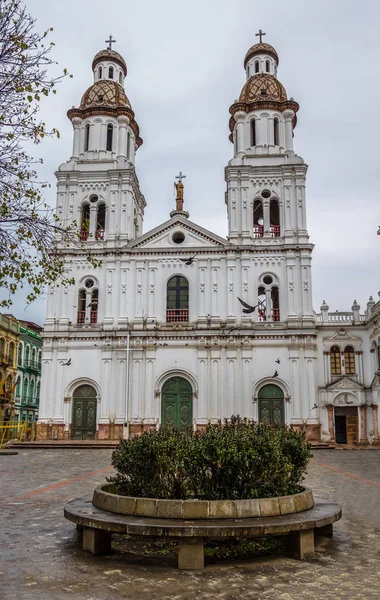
<point>105,93</point>
<point>111,55</point>
<point>263,87</point>
<point>262,48</point>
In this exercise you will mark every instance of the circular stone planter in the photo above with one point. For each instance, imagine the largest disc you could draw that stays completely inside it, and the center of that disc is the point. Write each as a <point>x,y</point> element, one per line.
<point>201,509</point>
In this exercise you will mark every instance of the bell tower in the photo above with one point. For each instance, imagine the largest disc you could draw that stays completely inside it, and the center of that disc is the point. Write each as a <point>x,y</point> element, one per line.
<point>266,180</point>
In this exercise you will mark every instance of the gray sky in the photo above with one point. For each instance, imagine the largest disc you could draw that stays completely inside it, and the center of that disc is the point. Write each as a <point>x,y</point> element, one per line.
<point>185,69</point>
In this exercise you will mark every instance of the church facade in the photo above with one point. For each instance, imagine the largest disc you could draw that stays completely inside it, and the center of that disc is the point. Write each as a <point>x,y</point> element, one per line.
<point>178,325</point>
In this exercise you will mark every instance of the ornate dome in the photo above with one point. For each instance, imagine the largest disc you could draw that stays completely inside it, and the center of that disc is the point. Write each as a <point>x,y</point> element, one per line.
<point>112,55</point>
<point>261,48</point>
<point>104,93</point>
<point>263,87</point>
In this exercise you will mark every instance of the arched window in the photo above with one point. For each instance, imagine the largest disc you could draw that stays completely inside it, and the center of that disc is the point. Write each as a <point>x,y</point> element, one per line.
<point>32,398</point>
<point>2,347</point>
<point>335,362</point>
<point>267,66</point>
<point>274,216</point>
<point>39,359</point>
<point>34,362</point>
<point>253,132</point>
<point>120,78</point>
<point>276,131</point>
<point>11,353</point>
<point>85,222</point>
<point>19,355</point>
<point>349,360</point>
<point>128,145</point>
<point>100,72</point>
<point>94,306</point>
<point>27,353</point>
<point>275,304</point>
<point>177,299</point>
<point>18,387</point>
<point>110,73</point>
<point>257,66</point>
<point>109,137</point>
<point>81,306</point>
<point>258,219</point>
<point>38,391</point>
<point>8,383</point>
<point>261,304</point>
<point>86,137</point>
<point>25,390</point>
<point>100,221</point>
<point>236,140</point>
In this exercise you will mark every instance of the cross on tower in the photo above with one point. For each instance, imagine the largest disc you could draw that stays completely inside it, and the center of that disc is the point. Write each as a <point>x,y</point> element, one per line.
<point>180,176</point>
<point>111,41</point>
<point>261,33</point>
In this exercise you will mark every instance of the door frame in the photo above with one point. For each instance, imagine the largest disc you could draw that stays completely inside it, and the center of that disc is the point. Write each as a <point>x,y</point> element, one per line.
<point>96,398</point>
<point>165,382</point>
<point>271,384</point>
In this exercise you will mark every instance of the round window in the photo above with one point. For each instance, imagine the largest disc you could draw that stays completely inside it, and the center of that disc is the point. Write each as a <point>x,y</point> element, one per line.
<point>178,237</point>
<point>93,199</point>
<point>266,194</point>
<point>89,283</point>
<point>268,279</point>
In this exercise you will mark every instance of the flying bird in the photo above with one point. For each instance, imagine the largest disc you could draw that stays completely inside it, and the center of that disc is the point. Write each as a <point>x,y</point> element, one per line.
<point>278,361</point>
<point>275,374</point>
<point>188,261</point>
<point>248,308</point>
<point>92,304</point>
<point>314,407</point>
<point>65,364</point>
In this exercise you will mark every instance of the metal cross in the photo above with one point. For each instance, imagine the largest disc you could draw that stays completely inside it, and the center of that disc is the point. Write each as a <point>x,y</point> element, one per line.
<point>111,41</point>
<point>261,33</point>
<point>180,176</point>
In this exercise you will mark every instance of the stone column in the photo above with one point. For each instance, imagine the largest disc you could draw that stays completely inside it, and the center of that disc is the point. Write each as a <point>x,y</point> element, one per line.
<point>77,122</point>
<point>375,417</point>
<point>240,122</point>
<point>330,416</point>
<point>122,145</point>
<point>363,423</point>
<point>288,116</point>
<point>266,217</point>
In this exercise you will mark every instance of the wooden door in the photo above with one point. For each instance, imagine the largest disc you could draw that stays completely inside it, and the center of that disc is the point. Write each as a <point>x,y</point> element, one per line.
<point>271,405</point>
<point>352,429</point>
<point>177,403</point>
<point>84,413</point>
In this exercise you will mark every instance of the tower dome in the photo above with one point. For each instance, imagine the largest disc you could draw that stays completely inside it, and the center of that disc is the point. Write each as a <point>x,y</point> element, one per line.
<point>261,48</point>
<point>109,55</point>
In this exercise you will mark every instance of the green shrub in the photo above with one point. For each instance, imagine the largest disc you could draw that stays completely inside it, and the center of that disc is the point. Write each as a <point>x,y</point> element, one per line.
<point>231,460</point>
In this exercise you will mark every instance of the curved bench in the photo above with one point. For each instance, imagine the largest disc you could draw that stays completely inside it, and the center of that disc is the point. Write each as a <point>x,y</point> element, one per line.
<point>98,525</point>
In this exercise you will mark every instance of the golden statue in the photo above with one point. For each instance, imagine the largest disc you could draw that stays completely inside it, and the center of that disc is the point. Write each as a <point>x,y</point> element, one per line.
<point>179,199</point>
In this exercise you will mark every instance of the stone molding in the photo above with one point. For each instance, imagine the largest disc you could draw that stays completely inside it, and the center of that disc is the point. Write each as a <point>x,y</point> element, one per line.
<point>201,509</point>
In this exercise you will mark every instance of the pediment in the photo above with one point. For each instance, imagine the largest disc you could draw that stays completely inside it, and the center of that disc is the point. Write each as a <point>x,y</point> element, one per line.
<point>161,237</point>
<point>342,337</point>
<point>344,384</point>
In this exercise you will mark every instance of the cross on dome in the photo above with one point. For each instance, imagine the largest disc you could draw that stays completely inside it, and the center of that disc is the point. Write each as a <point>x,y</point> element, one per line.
<point>260,34</point>
<point>110,41</point>
<point>180,176</point>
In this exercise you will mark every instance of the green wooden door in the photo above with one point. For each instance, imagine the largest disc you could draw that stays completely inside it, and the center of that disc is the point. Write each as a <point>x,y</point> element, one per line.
<point>271,405</point>
<point>84,413</point>
<point>177,403</point>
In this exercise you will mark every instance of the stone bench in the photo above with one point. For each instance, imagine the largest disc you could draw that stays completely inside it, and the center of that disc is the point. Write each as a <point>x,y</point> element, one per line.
<point>98,526</point>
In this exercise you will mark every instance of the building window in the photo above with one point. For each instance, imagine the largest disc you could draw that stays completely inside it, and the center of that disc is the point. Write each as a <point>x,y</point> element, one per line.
<point>31,398</point>
<point>25,390</point>
<point>100,72</point>
<point>18,386</point>
<point>2,348</point>
<point>257,66</point>
<point>258,219</point>
<point>275,304</point>
<point>274,216</point>
<point>81,306</point>
<point>39,360</point>
<point>349,360</point>
<point>378,356</point>
<point>86,137</point>
<point>177,299</point>
<point>19,355</point>
<point>109,137</point>
<point>267,66</point>
<point>38,391</point>
<point>335,362</point>
<point>27,353</point>
<point>261,304</point>
<point>253,132</point>
<point>85,222</point>
<point>120,78</point>
<point>236,140</point>
<point>128,144</point>
<point>94,306</point>
<point>100,221</point>
<point>11,353</point>
<point>276,131</point>
<point>110,73</point>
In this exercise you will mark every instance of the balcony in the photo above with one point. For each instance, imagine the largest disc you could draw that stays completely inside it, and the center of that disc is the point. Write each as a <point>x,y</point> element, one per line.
<point>30,401</point>
<point>258,231</point>
<point>99,234</point>
<point>83,235</point>
<point>275,314</point>
<point>33,365</point>
<point>94,316</point>
<point>81,316</point>
<point>263,317</point>
<point>275,231</point>
<point>177,315</point>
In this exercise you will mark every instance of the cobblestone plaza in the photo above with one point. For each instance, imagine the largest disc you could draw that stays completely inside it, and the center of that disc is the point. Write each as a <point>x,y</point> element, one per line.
<point>40,559</point>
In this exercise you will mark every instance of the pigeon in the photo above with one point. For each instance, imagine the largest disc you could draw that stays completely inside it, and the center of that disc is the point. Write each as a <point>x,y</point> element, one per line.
<point>278,361</point>
<point>248,308</point>
<point>314,407</point>
<point>92,304</point>
<point>188,261</point>
<point>275,374</point>
<point>68,363</point>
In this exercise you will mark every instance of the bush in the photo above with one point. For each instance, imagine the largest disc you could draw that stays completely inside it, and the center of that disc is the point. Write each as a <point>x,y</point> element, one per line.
<point>234,459</point>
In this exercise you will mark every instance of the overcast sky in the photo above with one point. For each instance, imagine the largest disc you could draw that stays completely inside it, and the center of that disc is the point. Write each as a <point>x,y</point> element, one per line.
<point>185,69</point>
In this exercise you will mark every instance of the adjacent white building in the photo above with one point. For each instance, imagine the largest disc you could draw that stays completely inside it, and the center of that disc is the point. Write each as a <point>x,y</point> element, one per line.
<point>157,334</point>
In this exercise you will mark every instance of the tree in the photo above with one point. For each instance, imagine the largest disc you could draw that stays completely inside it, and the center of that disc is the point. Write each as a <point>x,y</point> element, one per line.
<point>29,229</point>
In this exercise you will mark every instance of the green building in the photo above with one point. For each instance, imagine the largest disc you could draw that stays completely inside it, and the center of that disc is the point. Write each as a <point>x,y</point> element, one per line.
<point>29,356</point>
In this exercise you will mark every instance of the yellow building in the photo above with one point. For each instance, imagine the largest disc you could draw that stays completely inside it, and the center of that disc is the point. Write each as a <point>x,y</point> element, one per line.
<point>9,336</point>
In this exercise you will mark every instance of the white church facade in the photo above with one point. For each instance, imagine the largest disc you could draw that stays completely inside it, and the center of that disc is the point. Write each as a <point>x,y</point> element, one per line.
<point>157,334</point>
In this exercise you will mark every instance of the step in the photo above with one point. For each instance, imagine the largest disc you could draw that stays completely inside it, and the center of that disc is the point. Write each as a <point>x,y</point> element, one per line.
<point>66,444</point>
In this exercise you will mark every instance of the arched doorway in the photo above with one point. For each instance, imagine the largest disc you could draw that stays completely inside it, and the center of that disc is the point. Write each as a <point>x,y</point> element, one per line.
<point>84,413</point>
<point>271,405</point>
<point>177,403</point>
